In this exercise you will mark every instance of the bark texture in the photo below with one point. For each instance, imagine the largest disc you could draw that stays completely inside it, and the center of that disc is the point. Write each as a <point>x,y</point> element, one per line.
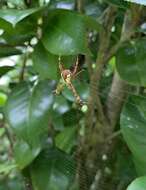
<point>100,122</point>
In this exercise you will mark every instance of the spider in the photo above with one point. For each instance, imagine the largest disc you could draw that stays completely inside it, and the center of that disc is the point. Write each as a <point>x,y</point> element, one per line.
<point>68,75</point>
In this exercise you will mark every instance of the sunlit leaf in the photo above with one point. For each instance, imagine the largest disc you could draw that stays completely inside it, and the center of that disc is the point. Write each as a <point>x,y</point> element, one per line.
<point>14,16</point>
<point>138,184</point>
<point>6,167</point>
<point>60,105</point>
<point>24,153</point>
<point>31,108</point>
<point>2,131</point>
<point>3,98</point>
<point>65,33</point>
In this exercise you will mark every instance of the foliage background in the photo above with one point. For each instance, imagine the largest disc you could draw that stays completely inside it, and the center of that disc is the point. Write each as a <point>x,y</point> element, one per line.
<point>48,141</point>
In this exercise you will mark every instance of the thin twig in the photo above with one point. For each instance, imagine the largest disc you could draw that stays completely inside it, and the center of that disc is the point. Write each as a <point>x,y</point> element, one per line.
<point>28,184</point>
<point>21,77</point>
<point>114,135</point>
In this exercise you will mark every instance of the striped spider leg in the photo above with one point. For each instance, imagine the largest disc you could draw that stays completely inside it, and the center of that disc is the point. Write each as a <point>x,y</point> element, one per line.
<point>67,76</point>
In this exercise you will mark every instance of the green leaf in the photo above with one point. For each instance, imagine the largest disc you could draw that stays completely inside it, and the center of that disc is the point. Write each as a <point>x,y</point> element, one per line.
<point>6,167</point>
<point>81,88</point>
<point>2,131</point>
<point>133,126</point>
<point>91,23</point>
<point>60,105</point>
<point>53,170</point>
<point>119,3</point>
<point>22,32</point>
<point>45,63</point>
<point>131,62</point>
<point>57,121</point>
<point>27,111</point>
<point>3,98</point>
<point>14,16</point>
<point>141,2</point>
<point>72,117</point>
<point>138,184</point>
<point>66,139</point>
<point>65,33</point>
<point>5,69</point>
<point>5,51</point>
<point>24,154</point>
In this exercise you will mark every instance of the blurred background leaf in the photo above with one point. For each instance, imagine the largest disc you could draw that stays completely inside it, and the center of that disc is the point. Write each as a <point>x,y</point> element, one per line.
<point>133,121</point>
<point>137,184</point>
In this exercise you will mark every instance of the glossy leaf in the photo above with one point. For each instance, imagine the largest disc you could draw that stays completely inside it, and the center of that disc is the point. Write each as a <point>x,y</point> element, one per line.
<point>65,140</point>
<point>14,16</point>
<point>131,62</point>
<point>138,184</point>
<point>22,32</point>
<point>60,105</point>
<point>5,69</point>
<point>65,33</point>
<point>24,153</point>
<point>8,51</point>
<point>31,108</point>
<point>91,23</point>
<point>53,170</point>
<point>81,88</point>
<point>57,121</point>
<point>45,63</point>
<point>133,122</point>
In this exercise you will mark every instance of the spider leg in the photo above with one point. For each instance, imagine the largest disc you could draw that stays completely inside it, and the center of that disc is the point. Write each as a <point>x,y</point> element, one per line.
<point>60,65</point>
<point>77,74</point>
<point>76,67</point>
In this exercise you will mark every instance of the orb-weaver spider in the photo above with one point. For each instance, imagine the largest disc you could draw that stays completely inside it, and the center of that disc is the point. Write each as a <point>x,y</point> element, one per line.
<point>67,76</point>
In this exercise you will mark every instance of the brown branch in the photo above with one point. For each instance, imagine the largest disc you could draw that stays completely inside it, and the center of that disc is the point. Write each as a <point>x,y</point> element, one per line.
<point>101,144</point>
<point>21,77</point>
<point>28,183</point>
<point>95,118</point>
<point>104,40</point>
<point>114,106</point>
<point>118,87</point>
<point>131,20</point>
<point>79,6</point>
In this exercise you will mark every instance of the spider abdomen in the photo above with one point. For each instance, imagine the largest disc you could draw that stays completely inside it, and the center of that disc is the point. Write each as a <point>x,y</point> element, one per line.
<point>66,73</point>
